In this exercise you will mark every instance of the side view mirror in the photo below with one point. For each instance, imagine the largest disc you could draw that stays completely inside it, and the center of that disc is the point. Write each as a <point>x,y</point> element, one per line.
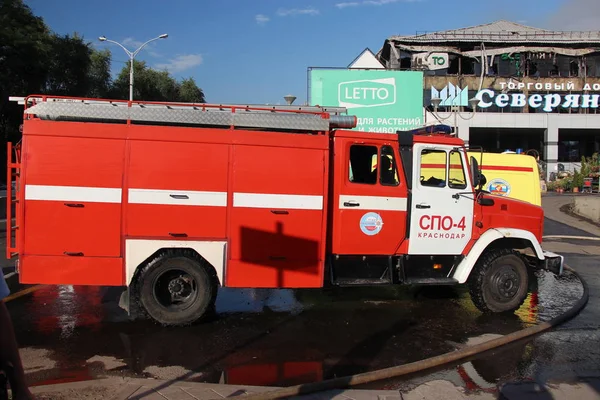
<point>476,173</point>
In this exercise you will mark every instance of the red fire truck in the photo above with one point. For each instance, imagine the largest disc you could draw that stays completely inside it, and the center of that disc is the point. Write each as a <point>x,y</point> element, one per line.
<point>173,201</point>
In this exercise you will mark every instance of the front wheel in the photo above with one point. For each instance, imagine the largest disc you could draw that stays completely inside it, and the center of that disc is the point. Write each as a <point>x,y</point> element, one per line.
<point>176,289</point>
<point>499,281</point>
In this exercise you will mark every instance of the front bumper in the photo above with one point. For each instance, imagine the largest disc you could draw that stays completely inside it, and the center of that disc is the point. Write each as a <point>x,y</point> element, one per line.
<point>553,262</point>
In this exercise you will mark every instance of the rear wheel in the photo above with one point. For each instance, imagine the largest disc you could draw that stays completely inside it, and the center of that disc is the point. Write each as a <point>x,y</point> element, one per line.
<point>499,281</point>
<point>177,288</point>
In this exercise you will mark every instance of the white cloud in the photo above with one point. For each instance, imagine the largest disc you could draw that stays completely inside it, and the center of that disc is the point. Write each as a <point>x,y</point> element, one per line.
<point>262,19</point>
<point>181,62</point>
<point>372,3</point>
<point>284,12</point>
<point>348,4</point>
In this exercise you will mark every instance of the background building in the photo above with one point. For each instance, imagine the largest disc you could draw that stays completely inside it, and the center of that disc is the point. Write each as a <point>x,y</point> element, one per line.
<point>537,90</point>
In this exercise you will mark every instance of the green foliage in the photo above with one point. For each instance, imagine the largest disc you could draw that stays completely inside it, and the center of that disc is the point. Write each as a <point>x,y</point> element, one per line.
<point>590,166</point>
<point>577,180</point>
<point>25,43</point>
<point>564,183</point>
<point>98,74</point>
<point>153,85</point>
<point>34,60</point>
<point>24,46</point>
<point>190,92</point>
<point>69,65</point>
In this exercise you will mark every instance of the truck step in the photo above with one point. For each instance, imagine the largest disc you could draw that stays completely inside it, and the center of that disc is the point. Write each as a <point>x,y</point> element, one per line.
<point>361,282</point>
<point>431,281</point>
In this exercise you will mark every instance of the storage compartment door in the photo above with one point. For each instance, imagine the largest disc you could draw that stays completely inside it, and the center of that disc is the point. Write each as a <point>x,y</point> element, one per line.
<point>73,196</point>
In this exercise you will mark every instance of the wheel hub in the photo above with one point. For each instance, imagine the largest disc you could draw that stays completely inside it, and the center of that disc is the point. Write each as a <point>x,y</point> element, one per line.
<point>176,286</point>
<point>507,283</point>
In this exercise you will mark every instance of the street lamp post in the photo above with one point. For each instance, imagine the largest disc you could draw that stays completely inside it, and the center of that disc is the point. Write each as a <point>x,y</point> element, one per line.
<point>131,57</point>
<point>454,111</point>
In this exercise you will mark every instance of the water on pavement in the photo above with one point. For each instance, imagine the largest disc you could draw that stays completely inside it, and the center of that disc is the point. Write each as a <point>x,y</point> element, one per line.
<point>285,337</point>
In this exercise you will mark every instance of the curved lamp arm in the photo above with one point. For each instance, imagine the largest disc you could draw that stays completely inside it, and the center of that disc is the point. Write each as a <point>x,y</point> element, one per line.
<point>104,39</point>
<point>163,36</point>
<point>134,53</point>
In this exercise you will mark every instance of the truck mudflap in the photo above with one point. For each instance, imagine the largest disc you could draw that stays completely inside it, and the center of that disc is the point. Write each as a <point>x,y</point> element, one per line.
<point>553,262</point>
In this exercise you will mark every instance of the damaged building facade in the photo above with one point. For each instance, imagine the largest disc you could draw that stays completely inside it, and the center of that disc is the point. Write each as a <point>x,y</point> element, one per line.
<point>506,86</point>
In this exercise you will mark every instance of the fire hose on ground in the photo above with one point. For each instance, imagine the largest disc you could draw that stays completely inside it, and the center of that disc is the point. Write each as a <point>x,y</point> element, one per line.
<point>433,362</point>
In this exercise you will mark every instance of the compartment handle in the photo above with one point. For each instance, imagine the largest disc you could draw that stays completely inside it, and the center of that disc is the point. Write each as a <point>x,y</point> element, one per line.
<point>178,234</point>
<point>74,205</point>
<point>73,253</point>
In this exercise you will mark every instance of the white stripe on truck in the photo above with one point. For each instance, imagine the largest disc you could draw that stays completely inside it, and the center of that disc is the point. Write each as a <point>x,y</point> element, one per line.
<point>287,201</point>
<point>73,193</point>
<point>173,197</point>
<point>177,197</point>
<point>379,203</point>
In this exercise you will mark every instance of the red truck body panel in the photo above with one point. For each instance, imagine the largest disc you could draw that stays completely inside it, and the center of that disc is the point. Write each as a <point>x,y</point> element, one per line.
<point>278,202</point>
<point>120,178</point>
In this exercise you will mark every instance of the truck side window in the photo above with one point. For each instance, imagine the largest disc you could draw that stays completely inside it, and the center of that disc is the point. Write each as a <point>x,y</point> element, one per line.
<point>387,167</point>
<point>456,175</point>
<point>362,160</point>
<point>433,168</point>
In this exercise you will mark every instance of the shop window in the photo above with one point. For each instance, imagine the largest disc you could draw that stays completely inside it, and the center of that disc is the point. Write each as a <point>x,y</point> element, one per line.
<point>433,168</point>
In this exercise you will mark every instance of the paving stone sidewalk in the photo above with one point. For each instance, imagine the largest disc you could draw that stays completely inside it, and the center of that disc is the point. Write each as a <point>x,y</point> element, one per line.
<point>149,389</point>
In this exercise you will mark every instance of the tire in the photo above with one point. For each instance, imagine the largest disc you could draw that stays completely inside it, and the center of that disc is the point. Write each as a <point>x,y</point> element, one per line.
<point>499,281</point>
<point>177,288</point>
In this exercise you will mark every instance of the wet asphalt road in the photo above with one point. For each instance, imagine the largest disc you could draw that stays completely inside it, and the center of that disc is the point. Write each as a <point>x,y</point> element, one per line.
<point>285,337</point>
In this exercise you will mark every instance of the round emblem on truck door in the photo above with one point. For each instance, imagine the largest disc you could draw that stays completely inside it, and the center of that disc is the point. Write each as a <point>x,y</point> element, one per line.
<point>371,223</point>
<point>499,187</point>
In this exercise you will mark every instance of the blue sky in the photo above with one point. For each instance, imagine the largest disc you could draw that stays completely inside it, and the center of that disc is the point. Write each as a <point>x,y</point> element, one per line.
<point>257,51</point>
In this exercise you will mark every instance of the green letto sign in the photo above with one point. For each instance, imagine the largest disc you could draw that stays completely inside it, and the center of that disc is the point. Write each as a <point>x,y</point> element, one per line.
<point>383,101</point>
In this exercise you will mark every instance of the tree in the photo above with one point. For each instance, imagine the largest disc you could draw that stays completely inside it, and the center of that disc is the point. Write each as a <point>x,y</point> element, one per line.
<point>69,63</point>
<point>24,46</point>
<point>189,92</point>
<point>98,76</point>
<point>25,43</point>
<point>34,60</point>
<point>152,85</point>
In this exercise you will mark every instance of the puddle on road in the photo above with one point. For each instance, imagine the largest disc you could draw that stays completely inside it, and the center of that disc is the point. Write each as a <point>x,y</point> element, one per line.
<point>257,300</point>
<point>551,297</point>
<point>556,294</point>
<point>280,337</point>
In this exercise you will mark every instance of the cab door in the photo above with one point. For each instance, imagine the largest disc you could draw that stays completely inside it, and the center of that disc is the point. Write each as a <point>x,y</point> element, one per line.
<point>442,205</point>
<point>369,200</point>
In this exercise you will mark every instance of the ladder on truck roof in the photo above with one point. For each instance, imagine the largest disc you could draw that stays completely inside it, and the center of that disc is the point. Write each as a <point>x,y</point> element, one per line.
<point>294,118</point>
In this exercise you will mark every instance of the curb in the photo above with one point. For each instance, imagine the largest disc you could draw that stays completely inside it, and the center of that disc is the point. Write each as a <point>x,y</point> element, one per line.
<point>567,209</point>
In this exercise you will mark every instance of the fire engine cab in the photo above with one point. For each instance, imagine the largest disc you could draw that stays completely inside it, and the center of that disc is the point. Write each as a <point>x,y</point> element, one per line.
<point>173,201</point>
